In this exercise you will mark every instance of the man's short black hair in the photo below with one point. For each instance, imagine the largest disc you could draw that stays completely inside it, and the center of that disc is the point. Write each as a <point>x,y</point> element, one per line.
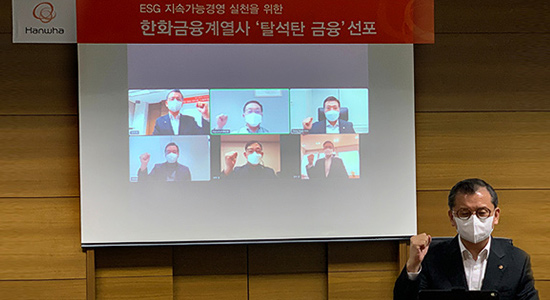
<point>328,142</point>
<point>253,142</point>
<point>469,187</point>
<point>253,101</point>
<point>171,144</point>
<point>331,98</point>
<point>174,91</point>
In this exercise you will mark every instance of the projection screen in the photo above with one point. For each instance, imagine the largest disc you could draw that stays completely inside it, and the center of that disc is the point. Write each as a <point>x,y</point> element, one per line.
<point>187,144</point>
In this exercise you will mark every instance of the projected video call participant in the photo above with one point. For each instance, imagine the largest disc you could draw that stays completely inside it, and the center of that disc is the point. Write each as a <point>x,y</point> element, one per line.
<point>170,170</point>
<point>333,124</point>
<point>328,167</point>
<point>472,260</point>
<point>253,169</point>
<point>253,113</point>
<point>175,123</point>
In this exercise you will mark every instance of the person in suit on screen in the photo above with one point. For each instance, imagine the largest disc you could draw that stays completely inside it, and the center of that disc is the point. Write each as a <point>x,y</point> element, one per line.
<point>254,167</point>
<point>333,123</point>
<point>174,123</point>
<point>170,170</point>
<point>473,260</point>
<point>328,167</point>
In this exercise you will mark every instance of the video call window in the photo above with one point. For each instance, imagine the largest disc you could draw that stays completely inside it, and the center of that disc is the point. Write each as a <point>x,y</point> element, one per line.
<point>250,157</point>
<point>151,112</point>
<point>320,111</point>
<point>330,156</point>
<point>169,158</point>
<point>249,111</point>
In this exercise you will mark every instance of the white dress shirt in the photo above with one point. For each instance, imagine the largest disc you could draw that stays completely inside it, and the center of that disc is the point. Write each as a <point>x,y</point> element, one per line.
<point>474,269</point>
<point>175,121</point>
<point>333,129</point>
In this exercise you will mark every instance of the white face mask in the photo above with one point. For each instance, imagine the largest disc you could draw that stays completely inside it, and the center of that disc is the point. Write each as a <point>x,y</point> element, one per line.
<point>328,152</point>
<point>254,158</point>
<point>332,115</point>
<point>171,157</point>
<point>253,119</point>
<point>174,105</point>
<point>474,230</point>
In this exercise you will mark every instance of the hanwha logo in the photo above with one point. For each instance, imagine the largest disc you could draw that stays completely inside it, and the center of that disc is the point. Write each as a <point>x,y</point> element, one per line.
<point>44,12</point>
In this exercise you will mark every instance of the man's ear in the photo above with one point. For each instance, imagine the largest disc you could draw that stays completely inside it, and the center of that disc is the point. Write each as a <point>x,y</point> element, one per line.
<point>451,218</point>
<point>496,216</point>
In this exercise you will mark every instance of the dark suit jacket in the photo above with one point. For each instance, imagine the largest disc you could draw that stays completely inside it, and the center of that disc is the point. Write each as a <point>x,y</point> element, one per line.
<point>161,172</point>
<point>249,171</point>
<point>320,127</point>
<point>508,271</point>
<point>337,169</point>
<point>188,126</point>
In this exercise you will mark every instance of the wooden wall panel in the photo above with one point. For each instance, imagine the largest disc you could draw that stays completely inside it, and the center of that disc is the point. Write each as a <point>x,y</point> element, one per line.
<point>362,256</point>
<point>544,289</point>
<point>523,219</point>
<point>374,285</point>
<point>481,72</point>
<point>133,262</point>
<point>5,16</point>
<point>362,270</point>
<point>210,272</point>
<point>40,239</point>
<point>134,273</point>
<point>72,289</point>
<point>39,155</point>
<point>42,78</point>
<point>142,287</point>
<point>283,271</point>
<point>211,287</point>
<point>491,16</point>
<point>509,150</point>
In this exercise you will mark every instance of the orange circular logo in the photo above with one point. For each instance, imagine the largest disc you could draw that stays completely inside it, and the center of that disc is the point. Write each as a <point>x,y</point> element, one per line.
<point>44,12</point>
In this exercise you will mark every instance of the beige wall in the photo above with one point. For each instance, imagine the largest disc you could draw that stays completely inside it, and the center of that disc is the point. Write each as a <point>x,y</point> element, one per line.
<point>483,110</point>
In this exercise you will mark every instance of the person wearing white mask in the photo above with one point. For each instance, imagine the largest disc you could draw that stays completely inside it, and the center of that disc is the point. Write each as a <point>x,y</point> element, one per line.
<point>473,260</point>
<point>174,123</point>
<point>253,113</point>
<point>253,169</point>
<point>329,166</point>
<point>170,170</point>
<point>333,123</point>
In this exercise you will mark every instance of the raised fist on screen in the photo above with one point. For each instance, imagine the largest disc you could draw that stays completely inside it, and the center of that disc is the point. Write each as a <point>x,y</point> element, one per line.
<point>221,120</point>
<point>307,122</point>
<point>144,159</point>
<point>202,107</point>
<point>230,160</point>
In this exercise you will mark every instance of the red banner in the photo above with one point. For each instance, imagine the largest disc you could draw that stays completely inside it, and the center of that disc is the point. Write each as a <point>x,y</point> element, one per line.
<point>196,99</point>
<point>256,22</point>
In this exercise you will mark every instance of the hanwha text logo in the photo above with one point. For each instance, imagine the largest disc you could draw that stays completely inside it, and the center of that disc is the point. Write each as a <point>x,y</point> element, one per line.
<point>44,12</point>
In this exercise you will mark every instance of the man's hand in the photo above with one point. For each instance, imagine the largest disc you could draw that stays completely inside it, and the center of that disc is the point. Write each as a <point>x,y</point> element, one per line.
<point>230,160</point>
<point>144,159</point>
<point>221,120</point>
<point>307,122</point>
<point>202,107</point>
<point>419,247</point>
<point>310,159</point>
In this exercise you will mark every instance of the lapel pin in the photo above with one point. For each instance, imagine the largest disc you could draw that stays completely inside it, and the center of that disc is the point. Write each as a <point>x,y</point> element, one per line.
<point>501,267</point>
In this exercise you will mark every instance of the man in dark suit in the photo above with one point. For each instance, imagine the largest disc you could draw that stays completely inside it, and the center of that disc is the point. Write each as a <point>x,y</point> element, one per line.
<point>170,170</point>
<point>175,123</point>
<point>328,167</point>
<point>473,260</point>
<point>333,124</point>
